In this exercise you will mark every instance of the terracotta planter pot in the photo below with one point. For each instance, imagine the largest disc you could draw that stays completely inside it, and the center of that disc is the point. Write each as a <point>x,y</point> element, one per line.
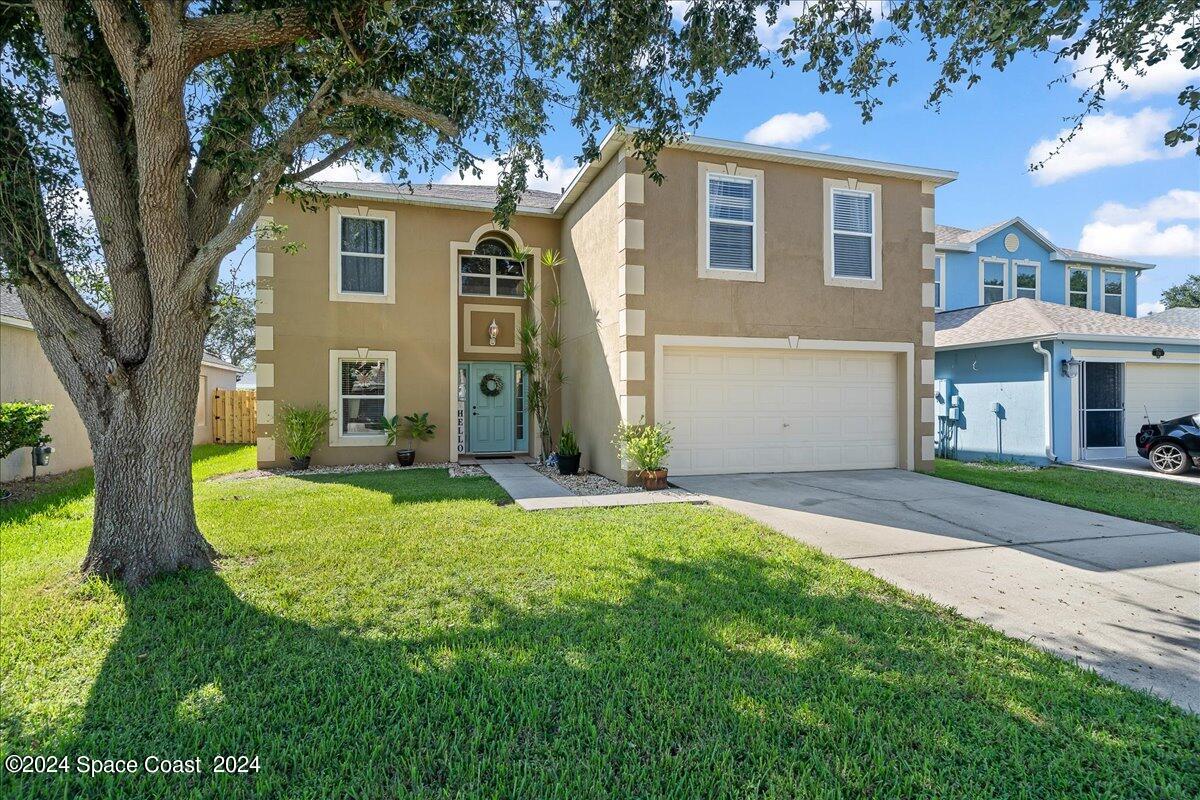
<point>654,479</point>
<point>300,463</point>
<point>406,457</point>
<point>569,465</point>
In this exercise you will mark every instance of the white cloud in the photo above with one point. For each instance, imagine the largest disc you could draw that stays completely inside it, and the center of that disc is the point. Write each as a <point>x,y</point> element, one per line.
<point>1169,75</point>
<point>788,129</point>
<point>1120,230</point>
<point>1146,309</point>
<point>1106,140</point>
<point>559,171</point>
<point>349,171</point>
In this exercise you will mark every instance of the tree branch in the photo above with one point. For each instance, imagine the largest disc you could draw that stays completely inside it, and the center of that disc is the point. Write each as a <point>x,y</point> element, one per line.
<point>123,35</point>
<point>99,124</point>
<point>402,107</point>
<point>216,35</point>
<point>334,156</point>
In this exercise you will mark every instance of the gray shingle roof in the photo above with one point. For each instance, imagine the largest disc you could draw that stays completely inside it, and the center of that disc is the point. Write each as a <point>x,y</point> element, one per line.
<point>11,306</point>
<point>947,236</point>
<point>445,192</point>
<point>1179,317</point>
<point>1028,319</point>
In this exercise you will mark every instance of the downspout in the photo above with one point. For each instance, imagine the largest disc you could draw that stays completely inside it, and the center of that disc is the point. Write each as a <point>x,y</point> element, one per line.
<point>1048,360</point>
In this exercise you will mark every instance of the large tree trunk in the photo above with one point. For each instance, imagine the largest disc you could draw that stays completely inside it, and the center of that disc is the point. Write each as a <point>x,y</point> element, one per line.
<point>144,520</point>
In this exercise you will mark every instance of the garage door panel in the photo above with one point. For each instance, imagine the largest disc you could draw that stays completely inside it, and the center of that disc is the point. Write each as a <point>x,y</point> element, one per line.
<point>739,411</point>
<point>1160,391</point>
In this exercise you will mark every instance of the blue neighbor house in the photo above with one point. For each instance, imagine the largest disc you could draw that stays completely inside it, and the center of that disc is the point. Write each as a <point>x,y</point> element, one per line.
<point>1038,355</point>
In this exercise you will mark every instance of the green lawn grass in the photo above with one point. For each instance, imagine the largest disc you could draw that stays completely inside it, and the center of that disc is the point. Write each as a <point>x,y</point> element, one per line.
<point>1161,502</point>
<point>405,634</point>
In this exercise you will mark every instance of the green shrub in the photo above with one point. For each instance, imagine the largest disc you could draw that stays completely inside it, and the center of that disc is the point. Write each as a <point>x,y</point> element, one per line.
<point>21,425</point>
<point>415,427</point>
<point>645,445</point>
<point>301,428</point>
<point>567,446</point>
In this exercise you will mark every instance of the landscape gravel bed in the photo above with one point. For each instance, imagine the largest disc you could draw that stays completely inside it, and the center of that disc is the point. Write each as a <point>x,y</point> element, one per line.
<point>585,483</point>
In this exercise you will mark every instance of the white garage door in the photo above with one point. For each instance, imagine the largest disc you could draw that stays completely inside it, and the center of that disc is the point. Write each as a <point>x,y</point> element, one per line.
<point>1164,391</point>
<point>738,410</point>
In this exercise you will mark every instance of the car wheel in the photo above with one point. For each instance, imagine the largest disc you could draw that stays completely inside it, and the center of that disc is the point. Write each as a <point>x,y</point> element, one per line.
<point>1169,458</point>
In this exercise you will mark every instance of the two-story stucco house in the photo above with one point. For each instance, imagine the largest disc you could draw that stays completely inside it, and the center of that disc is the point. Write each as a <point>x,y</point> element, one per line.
<point>774,306</point>
<point>1039,355</point>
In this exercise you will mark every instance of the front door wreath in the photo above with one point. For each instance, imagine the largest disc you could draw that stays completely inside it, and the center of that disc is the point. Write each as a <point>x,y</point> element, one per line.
<point>491,385</point>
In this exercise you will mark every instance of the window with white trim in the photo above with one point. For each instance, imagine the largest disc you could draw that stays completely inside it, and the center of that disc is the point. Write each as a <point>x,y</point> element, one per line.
<point>993,275</point>
<point>492,270</point>
<point>1026,280</point>
<point>362,397</point>
<point>1114,292</point>
<point>853,232</point>
<point>362,250</point>
<point>939,282</point>
<point>731,221</point>
<point>1079,287</point>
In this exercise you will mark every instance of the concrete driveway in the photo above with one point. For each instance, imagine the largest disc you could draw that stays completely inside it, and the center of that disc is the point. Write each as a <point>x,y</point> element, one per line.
<point>1136,465</point>
<point>1120,597</point>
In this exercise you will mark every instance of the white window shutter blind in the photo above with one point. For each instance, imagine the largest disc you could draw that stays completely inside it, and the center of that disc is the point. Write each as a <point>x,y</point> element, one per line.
<point>853,226</point>
<point>731,223</point>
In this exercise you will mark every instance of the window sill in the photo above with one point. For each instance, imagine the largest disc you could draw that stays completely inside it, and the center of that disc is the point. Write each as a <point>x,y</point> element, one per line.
<point>718,274</point>
<point>854,283</point>
<point>358,441</point>
<point>361,297</point>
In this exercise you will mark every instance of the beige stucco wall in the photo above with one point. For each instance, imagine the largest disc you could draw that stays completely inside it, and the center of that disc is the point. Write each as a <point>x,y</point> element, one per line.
<point>591,343</point>
<point>793,299</point>
<point>304,325</point>
<point>26,375</point>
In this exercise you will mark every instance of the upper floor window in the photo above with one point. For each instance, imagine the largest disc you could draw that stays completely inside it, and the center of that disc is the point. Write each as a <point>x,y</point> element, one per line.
<point>1027,274</point>
<point>730,229</point>
<point>993,284</point>
<point>1114,292</point>
<point>1078,286</point>
<point>493,270</point>
<point>853,234</point>
<point>731,219</point>
<point>362,262</point>
<point>939,282</point>
<point>363,247</point>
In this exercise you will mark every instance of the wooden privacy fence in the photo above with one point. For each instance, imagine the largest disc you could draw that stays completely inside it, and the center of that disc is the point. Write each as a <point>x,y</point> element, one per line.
<point>234,417</point>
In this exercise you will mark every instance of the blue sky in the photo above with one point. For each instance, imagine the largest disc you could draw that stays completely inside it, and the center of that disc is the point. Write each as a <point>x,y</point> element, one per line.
<point>1116,190</point>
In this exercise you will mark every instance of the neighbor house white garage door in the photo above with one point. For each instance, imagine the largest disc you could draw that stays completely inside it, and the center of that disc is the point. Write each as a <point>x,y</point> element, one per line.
<point>736,410</point>
<point>1162,391</point>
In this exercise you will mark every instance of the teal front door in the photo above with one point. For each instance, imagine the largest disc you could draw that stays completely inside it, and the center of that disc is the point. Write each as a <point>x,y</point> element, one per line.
<point>490,401</point>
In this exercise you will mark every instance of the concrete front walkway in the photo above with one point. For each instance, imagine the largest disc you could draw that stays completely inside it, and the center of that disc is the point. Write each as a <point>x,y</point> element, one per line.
<point>533,491</point>
<point>1120,597</point>
<point>1136,465</point>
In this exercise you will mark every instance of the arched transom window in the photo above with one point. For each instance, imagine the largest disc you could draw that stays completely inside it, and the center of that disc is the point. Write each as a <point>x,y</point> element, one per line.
<point>491,271</point>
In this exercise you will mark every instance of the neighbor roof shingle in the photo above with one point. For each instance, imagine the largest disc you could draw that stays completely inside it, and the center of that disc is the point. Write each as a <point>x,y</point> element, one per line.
<point>453,193</point>
<point>1026,319</point>
<point>1179,317</point>
<point>947,236</point>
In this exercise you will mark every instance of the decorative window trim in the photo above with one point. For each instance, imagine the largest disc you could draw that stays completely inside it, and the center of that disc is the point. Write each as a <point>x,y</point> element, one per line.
<point>939,282</point>
<point>1104,294</point>
<point>336,213</point>
<point>1087,292</point>
<point>513,310</point>
<point>876,191</point>
<point>1004,271</point>
<point>757,178</point>
<point>1037,265</point>
<point>336,439</point>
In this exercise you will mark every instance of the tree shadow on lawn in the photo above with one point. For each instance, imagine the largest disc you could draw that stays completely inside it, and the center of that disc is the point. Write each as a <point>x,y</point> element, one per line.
<point>412,486</point>
<point>723,676</point>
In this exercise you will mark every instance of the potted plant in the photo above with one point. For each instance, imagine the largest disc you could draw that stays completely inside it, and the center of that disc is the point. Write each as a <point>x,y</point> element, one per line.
<point>646,447</point>
<point>568,451</point>
<point>415,427</point>
<point>301,429</point>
